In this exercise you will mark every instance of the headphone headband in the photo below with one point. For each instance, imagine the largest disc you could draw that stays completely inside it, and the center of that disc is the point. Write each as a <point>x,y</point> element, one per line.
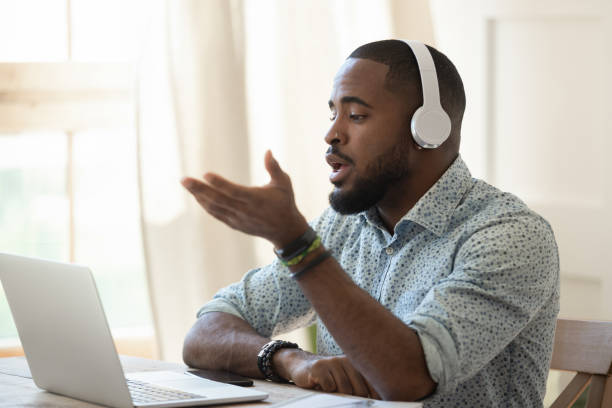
<point>429,77</point>
<point>430,123</point>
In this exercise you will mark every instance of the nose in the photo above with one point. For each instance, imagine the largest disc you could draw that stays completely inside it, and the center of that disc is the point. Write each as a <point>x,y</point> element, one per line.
<point>335,134</point>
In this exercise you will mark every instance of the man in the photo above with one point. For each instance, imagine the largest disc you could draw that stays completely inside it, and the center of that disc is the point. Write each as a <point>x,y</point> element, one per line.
<point>439,287</point>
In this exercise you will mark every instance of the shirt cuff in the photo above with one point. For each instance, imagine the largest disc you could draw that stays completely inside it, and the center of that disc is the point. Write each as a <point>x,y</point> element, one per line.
<point>219,305</point>
<point>440,352</point>
<point>432,357</point>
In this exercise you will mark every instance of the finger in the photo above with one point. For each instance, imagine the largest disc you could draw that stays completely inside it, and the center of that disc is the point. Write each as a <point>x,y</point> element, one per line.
<point>223,215</point>
<point>188,182</point>
<point>218,211</point>
<point>205,193</point>
<point>273,168</point>
<point>372,391</point>
<point>343,384</point>
<point>324,379</point>
<point>358,383</point>
<point>227,187</point>
<point>328,384</point>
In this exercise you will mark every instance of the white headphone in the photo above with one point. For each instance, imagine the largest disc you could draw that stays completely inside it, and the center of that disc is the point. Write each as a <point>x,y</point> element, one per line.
<point>430,124</point>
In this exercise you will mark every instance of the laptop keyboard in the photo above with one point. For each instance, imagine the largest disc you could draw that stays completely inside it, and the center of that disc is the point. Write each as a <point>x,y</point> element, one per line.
<point>146,393</point>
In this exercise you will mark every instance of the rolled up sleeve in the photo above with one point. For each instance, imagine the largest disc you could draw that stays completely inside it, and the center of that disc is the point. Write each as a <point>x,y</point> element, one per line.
<point>502,275</point>
<point>219,305</point>
<point>268,298</point>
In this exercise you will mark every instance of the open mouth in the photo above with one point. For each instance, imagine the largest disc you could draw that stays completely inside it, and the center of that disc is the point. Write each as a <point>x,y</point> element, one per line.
<point>340,168</point>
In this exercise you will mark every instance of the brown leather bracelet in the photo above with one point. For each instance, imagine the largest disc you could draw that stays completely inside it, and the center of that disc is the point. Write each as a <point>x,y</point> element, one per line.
<point>298,246</point>
<point>323,256</point>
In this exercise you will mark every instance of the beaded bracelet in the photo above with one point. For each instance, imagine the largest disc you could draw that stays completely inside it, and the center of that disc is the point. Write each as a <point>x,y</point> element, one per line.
<point>264,359</point>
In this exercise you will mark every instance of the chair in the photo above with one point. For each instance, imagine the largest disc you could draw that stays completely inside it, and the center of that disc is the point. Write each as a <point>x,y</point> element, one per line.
<point>585,347</point>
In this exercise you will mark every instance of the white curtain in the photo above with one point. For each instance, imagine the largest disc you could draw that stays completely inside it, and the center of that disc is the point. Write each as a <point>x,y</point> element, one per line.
<point>221,82</point>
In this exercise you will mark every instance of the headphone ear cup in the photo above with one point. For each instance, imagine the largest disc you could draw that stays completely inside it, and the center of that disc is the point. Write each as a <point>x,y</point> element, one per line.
<point>430,128</point>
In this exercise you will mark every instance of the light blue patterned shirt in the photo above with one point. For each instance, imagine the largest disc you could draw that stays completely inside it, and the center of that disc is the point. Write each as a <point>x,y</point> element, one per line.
<point>470,268</point>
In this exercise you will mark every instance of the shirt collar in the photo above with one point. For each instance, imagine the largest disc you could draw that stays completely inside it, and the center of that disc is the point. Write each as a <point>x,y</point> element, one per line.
<point>435,208</point>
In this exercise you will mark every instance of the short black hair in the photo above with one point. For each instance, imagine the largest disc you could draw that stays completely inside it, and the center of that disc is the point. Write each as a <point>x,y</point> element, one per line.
<point>404,72</point>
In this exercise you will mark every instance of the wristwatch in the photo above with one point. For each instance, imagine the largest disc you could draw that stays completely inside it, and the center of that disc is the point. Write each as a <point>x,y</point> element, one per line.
<point>264,358</point>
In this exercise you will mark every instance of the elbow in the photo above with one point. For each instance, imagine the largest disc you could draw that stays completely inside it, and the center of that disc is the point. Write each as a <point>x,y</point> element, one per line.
<point>191,350</point>
<point>188,352</point>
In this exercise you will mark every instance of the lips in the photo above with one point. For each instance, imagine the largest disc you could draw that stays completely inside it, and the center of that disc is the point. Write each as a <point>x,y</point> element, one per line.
<point>340,168</point>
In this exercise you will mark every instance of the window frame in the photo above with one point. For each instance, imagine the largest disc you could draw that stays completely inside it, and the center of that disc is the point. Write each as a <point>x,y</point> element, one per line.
<point>71,97</point>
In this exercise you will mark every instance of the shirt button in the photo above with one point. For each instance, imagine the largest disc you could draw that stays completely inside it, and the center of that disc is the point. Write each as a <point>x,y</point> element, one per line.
<point>389,251</point>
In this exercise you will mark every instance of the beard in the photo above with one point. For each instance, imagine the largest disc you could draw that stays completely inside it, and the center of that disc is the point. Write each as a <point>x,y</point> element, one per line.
<point>370,188</point>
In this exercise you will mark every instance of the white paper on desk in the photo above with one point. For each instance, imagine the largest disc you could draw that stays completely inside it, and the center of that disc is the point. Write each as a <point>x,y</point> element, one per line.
<point>16,366</point>
<point>336,401</point>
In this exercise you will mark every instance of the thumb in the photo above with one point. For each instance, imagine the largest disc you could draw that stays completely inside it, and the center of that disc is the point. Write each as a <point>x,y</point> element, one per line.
<point>273,168</point>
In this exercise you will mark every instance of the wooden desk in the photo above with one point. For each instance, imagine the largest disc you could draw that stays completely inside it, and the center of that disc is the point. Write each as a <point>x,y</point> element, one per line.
<point>18,390</point>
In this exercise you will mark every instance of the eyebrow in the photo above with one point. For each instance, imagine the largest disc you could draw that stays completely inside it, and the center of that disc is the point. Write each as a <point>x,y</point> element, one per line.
<point>350,99</point>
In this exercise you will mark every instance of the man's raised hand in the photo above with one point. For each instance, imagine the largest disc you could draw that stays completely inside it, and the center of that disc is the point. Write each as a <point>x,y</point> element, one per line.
<point>268,211</point>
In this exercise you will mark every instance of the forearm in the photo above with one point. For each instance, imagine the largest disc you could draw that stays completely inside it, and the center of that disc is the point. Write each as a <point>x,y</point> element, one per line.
<point>221,341</point>
<point>386,351</point>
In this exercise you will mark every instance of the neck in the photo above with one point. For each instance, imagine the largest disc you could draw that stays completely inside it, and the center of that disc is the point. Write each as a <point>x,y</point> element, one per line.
<point>406,193</point>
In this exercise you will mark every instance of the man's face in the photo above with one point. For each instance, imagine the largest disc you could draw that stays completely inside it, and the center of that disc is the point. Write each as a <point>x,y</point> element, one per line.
<point>369,137</point>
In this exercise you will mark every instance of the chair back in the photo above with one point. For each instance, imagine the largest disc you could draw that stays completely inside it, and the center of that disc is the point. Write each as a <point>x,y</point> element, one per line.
<point>586,348</point>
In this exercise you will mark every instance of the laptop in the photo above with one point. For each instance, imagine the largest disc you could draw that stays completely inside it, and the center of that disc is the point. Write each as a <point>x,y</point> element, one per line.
<point>70,351</point>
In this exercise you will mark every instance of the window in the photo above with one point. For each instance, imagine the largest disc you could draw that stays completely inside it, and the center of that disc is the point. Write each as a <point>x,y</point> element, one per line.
<point>68,167</point>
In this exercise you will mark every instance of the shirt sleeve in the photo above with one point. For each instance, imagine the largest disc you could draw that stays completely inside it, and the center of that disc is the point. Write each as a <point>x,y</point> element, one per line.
<point>503,275</point>
<point>268,298</point>
<point>219,305</point>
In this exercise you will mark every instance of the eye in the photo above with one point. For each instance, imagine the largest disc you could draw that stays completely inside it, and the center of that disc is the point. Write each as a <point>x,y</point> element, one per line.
<point>332,117</point>
<point>357,118</point>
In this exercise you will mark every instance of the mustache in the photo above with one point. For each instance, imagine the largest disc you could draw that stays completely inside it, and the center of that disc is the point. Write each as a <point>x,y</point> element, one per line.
<point>334,150</point>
